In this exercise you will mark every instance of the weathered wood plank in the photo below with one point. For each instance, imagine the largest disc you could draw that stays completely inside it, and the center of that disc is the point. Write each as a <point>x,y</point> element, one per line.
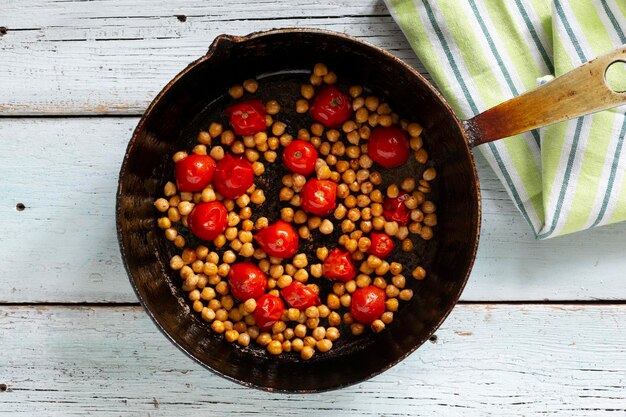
<point>62,247</point>
<point>103,57</point>
<point>505,360</point>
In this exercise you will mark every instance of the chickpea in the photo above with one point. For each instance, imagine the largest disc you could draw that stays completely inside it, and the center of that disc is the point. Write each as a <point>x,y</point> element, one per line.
<point>319,333</point>
<point>169,189</point>
<point>207,314</point>
<point>204,137</point>
<point>300,217</point>
<point>171,233</point>
<point>218,327</point>
<point>378,326</point>
<point>236,91</point>
<point>416,143</point>
<point>164,223</point>
<point>243,339</point>
<point>162,205</point>
<point>300,261</point>
<point>307,353</point>
<point>421,156</point>
<point>406,294</point>
<point>285,194</point>
<point>176,262</point>
<point>270,156</point>
<point>426,233</point>
<point>302,106</point>
<point>333,302</point>
<point>278,128</point>
<point>393,191</point>
<point>317,129</point>
<point>385,120</point>
<point>387,317</point>
<point>414,129</point>
<point>392,304</point>
<point>300,330</point>
<point>330,78</point>
<point>357,328</point>
<point>391,228</point>
<point>231,335</point>
<point>407,245</point>
<point>430,219</point>
<point>357,103</point>
<point>371,103</point>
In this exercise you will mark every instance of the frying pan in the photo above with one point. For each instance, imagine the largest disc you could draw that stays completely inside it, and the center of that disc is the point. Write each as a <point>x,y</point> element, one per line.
<point>280,59</point>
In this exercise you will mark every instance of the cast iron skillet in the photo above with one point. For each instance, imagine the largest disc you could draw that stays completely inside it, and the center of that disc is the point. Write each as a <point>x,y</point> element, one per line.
<point>280,59</point>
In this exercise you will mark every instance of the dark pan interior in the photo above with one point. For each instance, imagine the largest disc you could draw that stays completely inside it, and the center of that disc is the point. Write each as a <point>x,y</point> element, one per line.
<point>281,60</point>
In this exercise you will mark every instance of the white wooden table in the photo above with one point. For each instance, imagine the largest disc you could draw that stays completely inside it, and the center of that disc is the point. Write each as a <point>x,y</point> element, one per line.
<point>541,328</point>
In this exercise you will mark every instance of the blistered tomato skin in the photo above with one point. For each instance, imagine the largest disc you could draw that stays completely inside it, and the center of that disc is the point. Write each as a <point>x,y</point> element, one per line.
<point>388,146</point>
<point>208,220</point>
<point>248,117</point>
<point>368,304</point>
<point>394,209</point>
<point>279,240</point>
<point>331,106</point>
<point>338,265</point>
<point>300,156</point>
<point>381,246</point>
<point>233,176</point>
<point>298,295</point>
<point>246,281</point>
<point>319,196</point>
<point>269,310</point>
<point>194,172</point>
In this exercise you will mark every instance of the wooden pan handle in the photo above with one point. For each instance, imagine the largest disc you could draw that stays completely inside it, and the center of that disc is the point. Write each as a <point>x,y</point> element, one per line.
<point>576,93</point>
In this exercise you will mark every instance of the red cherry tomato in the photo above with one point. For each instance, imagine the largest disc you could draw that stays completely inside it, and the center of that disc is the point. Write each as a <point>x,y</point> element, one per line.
<point>381,246</point>
<point>278,240</point>
<point>331,106</point>
<point>388,146</point>
<point>300,156</point>
<point>319,196</point>
<point>233,176</point>
<point>246,281</point>
<point>394,209</point>
<point>298,295</point>
<point>194,172</point>
<point>338,265</point>
<point>368,304</point>
<point>208,220</point>
<point>269,310</point>
<point>247,118</point>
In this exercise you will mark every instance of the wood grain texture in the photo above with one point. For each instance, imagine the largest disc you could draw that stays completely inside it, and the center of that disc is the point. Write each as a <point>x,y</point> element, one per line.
<point>113,57</point>
<point>63,248</point>
<point>577,93</point>
<point>503,360</point>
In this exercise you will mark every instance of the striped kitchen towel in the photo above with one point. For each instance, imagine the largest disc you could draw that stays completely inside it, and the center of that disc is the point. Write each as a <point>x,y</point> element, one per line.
<point>563,178</point>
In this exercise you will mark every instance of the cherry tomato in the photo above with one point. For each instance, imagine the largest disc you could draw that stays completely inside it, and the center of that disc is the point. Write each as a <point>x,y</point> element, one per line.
<point>298,295</point>
<point>246,281</point>
<point>368,304</point>
<point>338,265</point>
<point>388,146</point>
<point>300,156</point>
<point>194,172</point>
<point>382,245</point>
<point>319,196</point>
<point>233,176</point>
<point>208,220</point>
<point>394,209</point>
<point>269,309</point>
<point>331,106</point>
<point>247,118</point>
<point>278,240</point>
